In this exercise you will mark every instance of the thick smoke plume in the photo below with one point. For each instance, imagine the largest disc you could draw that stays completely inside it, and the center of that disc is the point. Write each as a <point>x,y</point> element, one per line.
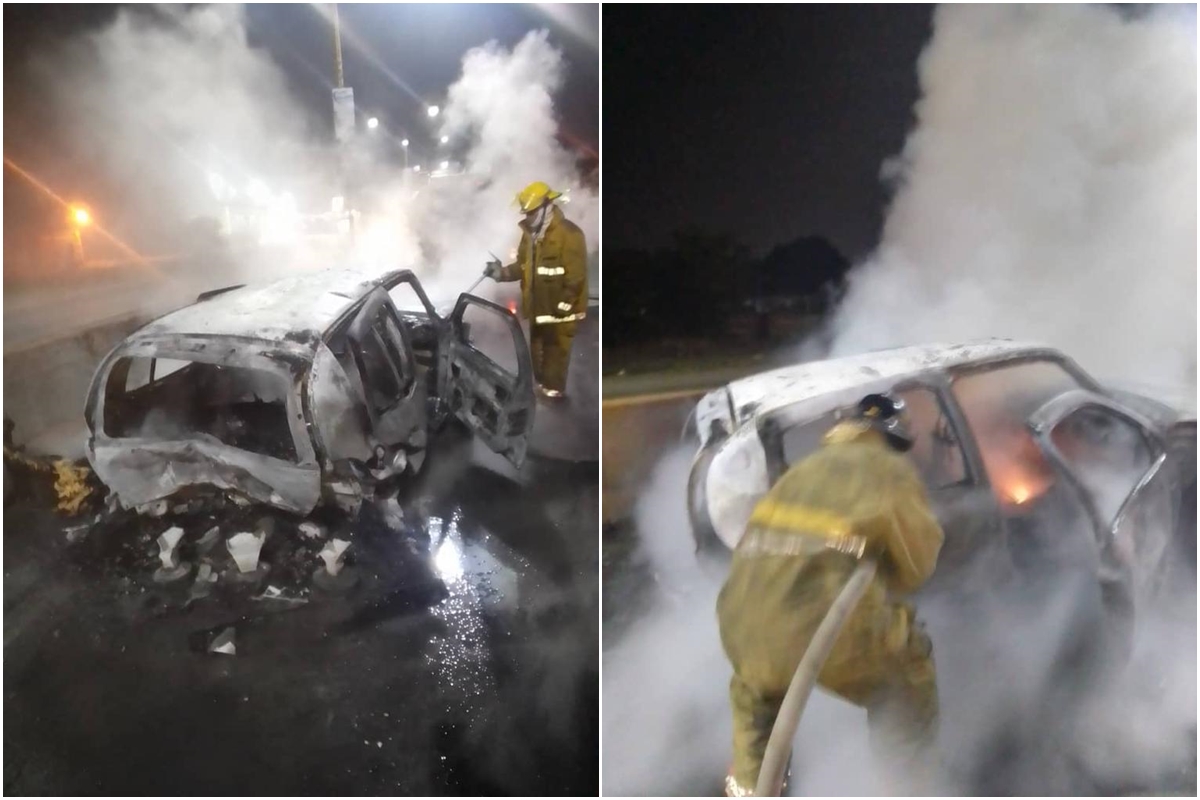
<point>1047,192</point>
<point>502,107</point>
<point>179,110</point>
<point>164,104</point>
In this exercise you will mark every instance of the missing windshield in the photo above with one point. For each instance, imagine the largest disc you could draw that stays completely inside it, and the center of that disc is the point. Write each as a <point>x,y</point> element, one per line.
<point>169,399</point>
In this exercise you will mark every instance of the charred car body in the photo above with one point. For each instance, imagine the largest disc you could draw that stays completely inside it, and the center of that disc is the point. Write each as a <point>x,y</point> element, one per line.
<point>294,394</point>
<point>1029,463</point>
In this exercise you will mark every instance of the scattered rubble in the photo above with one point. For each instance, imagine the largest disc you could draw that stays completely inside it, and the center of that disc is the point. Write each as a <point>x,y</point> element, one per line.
<point>203,585</point>
<point>245,549</point>
<point>209,540</point>
<point>76,533</point>
<point>335,577</point>
<point>312,530</point>
<point>215,545</point>
<point>276,596</point>
<point>172,568</point>
<point>224,643</point>
<point>73,486</point>
<point>393,515</point>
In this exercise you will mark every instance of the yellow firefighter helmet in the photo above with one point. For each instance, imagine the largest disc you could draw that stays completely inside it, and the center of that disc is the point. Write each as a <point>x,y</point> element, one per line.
<point>534,195</point>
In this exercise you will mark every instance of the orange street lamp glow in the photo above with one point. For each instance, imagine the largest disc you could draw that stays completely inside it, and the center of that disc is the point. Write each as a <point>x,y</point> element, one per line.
<point>81,216</point>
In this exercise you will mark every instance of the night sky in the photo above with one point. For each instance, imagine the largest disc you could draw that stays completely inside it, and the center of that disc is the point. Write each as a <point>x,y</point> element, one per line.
<point>765,122</point>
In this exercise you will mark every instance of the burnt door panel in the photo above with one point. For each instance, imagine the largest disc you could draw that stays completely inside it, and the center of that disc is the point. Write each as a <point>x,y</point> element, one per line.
<point>384,361</point>
<point>486,377</point>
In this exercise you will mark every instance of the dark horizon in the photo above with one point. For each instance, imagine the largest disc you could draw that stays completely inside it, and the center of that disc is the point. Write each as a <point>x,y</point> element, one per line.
<point>767,123</point>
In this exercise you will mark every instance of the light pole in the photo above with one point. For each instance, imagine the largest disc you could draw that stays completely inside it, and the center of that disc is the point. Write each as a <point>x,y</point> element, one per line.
<point>404,144</point>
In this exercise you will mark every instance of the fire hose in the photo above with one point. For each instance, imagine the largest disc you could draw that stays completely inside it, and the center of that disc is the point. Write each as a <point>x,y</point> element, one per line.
<point>476,283</point>
<point>779,745</point>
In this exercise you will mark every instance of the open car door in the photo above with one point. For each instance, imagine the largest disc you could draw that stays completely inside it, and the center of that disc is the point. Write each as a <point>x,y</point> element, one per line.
<point>1117,465</point>
<point>486,375</point>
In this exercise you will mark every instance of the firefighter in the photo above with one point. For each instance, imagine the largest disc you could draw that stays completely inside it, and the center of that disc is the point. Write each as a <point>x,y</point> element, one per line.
<point>857,496</point>
<point>552,268</point>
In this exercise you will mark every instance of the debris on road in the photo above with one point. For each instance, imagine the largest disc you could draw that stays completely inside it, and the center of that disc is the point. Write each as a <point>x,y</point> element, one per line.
<point>335,577</point>
<point>76,533</point>
<point>275,595</point>
<point>172,568</point>
<point>202,587</point>
<point>245,548</point>
<point>209,540</point>
<point>73,485</point>
<point>312,530</point>
<point>393,515</point>
<point>224,643</point>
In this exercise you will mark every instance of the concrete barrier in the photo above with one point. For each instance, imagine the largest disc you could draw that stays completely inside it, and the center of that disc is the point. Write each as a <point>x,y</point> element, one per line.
<point>46,383</point>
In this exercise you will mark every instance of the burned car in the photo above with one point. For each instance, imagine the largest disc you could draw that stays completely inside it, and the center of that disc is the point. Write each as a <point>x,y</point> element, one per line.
<point>1029,464</point>
<point>294,394</point>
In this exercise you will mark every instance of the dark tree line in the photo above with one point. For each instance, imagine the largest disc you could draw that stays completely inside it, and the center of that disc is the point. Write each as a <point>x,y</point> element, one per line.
<point>695,287</point>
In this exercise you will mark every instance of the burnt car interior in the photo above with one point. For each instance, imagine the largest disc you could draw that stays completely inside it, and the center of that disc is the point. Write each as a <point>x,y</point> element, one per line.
<point>1027,500</point>
<point>378,362</point>
<point>240,407</point>
<point>1045,520</point>
<point>418,316</point>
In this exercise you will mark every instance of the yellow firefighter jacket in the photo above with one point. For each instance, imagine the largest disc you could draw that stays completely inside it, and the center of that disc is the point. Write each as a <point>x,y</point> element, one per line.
<point>552,271</point>
<point>855,496</point>
<point>852,498</point>
<point>858,496</point>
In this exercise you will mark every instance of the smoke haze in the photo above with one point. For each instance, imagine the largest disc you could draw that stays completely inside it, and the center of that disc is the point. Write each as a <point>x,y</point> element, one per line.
<point>1048,192</point>
<point>177,108</point>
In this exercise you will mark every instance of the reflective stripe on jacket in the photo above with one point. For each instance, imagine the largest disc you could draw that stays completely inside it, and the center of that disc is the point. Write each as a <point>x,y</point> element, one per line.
<point>552,271</point>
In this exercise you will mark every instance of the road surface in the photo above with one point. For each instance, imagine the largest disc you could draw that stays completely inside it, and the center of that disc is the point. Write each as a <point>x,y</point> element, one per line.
<point>471,670</point>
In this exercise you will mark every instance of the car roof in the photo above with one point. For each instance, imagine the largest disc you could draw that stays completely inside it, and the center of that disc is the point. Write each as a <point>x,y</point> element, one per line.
<point>814,379</point>
<point>301,304</point>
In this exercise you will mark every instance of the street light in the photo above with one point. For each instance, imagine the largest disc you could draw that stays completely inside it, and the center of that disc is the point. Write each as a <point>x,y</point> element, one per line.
<point>445,140</point>
<point>404,142</point>
<point>80,219</point>
<point>417,168</point>
<point>432,111</point>
<point>372,123</point>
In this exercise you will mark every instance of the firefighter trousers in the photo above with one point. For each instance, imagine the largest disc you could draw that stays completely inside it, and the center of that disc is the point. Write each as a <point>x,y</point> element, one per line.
<point>550,348</point>
<point>882,661</point>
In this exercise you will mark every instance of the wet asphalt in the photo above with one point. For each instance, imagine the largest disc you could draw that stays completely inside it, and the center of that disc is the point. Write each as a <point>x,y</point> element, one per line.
<point>464,662</point>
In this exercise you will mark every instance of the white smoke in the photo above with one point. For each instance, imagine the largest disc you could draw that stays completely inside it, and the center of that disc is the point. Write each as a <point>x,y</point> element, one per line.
<point>502,109</point>
<point>166,105</point>
<point>1048,192</point>
<point>179,110</point>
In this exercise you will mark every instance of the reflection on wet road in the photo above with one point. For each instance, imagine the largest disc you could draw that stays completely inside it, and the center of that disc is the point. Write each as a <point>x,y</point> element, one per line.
<point>472,576</point>
<point>465,662</point>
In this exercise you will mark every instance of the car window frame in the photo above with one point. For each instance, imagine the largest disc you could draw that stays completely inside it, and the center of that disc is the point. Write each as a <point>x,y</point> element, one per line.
<point>974,475</point>
<point>391,355</point>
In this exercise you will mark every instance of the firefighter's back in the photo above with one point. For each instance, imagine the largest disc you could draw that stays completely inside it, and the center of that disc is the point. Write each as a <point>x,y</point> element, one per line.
<point>801,545</point>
